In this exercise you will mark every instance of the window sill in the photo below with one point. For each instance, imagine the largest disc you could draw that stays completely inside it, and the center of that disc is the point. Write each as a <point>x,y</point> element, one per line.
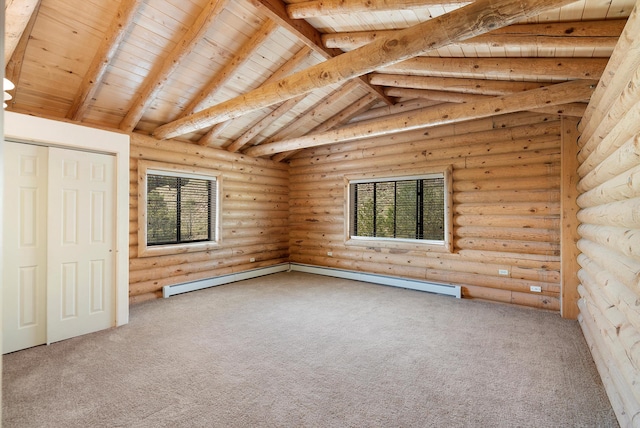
<point>399,244</point>
<point>163,250</point>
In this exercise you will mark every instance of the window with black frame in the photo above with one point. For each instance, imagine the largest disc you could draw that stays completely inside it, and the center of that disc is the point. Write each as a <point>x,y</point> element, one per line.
<point>180,209</point>
<point>404,208</point>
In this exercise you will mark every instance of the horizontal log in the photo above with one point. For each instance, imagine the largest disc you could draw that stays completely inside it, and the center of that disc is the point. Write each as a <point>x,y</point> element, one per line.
<point>540,261</point>
<point>547,248</point>
<point>595,34</point>
<point>523,158</point>
<point>504,196</point>
<point>609,137</point>
<point>518,208</point>
<point>623,159</point>
<point>535,222</point>
<point>624,213</point>
<point>195,267</point>
<point>519,171</point>
<point>140,298</point>
<point>509,233</point>
<point>222,252</point>
<point>621,187</point>
<point>626,269</point>
<point>623,240</point>
<point>505,296</point>
<point>502,68</point>
<point>520,183</point>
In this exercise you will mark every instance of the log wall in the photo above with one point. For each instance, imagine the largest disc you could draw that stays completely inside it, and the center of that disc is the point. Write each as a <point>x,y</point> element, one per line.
<point>506,206</point>
<point>254,217</point>
<point>609,227</point>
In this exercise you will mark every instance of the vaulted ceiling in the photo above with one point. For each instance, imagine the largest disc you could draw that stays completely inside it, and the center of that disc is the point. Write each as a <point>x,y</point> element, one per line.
<point>269,77</point>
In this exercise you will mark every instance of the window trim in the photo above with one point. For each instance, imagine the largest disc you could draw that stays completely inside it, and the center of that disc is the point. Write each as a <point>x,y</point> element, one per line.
<point>160,168</point>
<point>400,243</point>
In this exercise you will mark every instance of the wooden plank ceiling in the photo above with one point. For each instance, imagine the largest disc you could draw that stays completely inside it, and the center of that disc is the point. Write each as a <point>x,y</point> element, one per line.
<point>261,76</point>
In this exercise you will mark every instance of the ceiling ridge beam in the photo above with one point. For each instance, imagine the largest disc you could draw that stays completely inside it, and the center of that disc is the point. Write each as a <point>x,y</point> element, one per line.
<point>476,18</point>
<point>225,74</point>
<point>118,29</point>
<point>596,34</point>
<point>561,93</point>
<point>502,68</point>
<point>161,72</point>
<point>287,68</point>
<point>312,9</point>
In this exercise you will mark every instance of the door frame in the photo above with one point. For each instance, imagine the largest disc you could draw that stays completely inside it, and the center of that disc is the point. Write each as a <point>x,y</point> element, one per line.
<point>30,129</point>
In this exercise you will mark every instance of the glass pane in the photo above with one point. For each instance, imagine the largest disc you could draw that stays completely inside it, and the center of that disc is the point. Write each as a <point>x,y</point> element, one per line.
<point>406,209</point>
<point>385,210</point>
<point>162,205</point>
<point>364,209</point>
<point>194,210</point>
<point>433,205</point>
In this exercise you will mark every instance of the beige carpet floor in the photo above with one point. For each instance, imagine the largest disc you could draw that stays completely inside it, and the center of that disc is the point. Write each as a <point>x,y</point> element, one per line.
<point>300,350</point>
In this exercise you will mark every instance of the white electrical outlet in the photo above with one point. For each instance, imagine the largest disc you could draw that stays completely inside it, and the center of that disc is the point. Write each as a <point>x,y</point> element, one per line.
<point>536,288</point>
<point>503,272</point>
<point>329,253</point>
<point>252,259</point>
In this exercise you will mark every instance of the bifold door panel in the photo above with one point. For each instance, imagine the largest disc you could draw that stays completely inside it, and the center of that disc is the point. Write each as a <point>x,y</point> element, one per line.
<point>59,258</point>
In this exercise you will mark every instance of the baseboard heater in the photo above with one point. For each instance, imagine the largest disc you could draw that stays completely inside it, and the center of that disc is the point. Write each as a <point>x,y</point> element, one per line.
<point>171,290</point>
<point>393,281</point>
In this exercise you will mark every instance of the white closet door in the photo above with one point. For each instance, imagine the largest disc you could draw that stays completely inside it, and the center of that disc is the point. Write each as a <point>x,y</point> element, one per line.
<point>25,246</point>
<point>81,243</point>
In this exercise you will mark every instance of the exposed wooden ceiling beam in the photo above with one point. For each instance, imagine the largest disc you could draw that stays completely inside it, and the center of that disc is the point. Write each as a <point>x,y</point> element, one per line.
<point>93,76</point>
<point>572,109</point>
<point>399,107</point>
<point>312,114</point>
<point>230,68</point>
<point>263,123</point>
<point>17,14</point>
<point>311,9</point>
<point>14,66</point>
<point>476,18</point>
<point>276,10</point>
<point>161,72</point>
<point>577,90</point>
<point>502,68</point>
<point>287,68</point>
<point>469,86</point>
<point>341,118</point>
<point>589,34</point>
